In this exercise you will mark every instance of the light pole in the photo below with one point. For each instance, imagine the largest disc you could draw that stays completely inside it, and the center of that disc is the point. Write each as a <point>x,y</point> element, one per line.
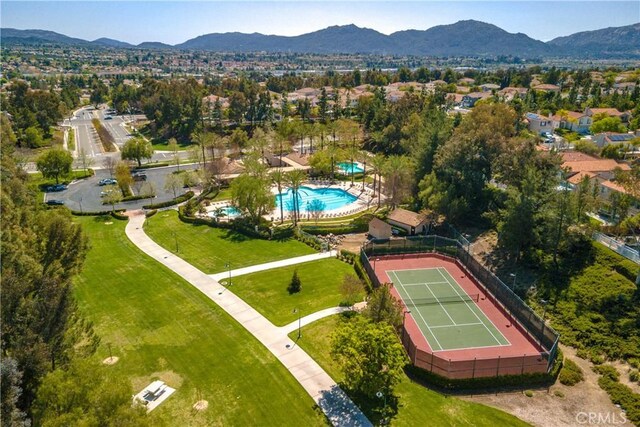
<point>374,264</point>
<point>544,311</point>
<point>175,237</point>
<point>513,285</point>
<point>295,310</point>
<point>228,266</point>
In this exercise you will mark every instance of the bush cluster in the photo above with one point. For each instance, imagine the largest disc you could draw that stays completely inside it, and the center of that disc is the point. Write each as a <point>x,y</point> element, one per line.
<point>620,394</point>
<point>183,198</point>
<point>570,374</point>
<point>119,216</point>
<point>99,213</point>
<point>150,213</point>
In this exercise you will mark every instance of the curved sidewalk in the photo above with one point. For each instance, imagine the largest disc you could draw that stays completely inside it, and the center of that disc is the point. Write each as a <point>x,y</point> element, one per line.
<point>336,405</point>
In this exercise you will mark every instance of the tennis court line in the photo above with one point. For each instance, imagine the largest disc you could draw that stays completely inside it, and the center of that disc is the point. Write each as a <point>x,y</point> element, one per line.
<point>459,324</point>
<point>419,312</point>
<point>424,283</point>
<point>441,306</point>
<point>474,313</point>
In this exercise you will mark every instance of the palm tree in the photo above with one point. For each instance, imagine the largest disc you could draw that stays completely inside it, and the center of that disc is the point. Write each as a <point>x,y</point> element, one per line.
<point>377,166</point>
<point>398,174</point>
<point>278,177</point>
<point>203,139</point>
<point>295,178</point>
<point>363,156</point>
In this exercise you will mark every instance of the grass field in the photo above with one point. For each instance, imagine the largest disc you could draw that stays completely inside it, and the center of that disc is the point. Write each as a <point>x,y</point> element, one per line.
<point>417,405</point>
<point>162,328</point>
<point>209,248</point>
<point>266,291</point>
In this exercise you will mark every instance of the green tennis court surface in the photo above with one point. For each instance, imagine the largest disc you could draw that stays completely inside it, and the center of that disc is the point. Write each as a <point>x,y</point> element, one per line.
<point>447,316</point>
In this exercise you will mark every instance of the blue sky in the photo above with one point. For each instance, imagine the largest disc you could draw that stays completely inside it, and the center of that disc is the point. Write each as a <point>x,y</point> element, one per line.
<point>176,21</point>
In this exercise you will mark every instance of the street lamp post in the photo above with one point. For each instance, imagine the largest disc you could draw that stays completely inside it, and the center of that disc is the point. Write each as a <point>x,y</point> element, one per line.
<point>228,266</point>
<point>295,310</point>
<point>513,285</point>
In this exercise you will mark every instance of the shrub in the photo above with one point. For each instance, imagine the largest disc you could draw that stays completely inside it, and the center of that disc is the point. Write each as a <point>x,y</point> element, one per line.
<point>596,358</point>
<point>183,198</point>
<point>621,395</point>
<point>151,213</point>
<point>570,374</point>
<point>607,371</point>
<point>295,286</point>
<point>99,213</point>
<point>558,393</point>
<point>634,362</point>
<point>634,376</point>
<point>528,393</point>
<point>119,216</point>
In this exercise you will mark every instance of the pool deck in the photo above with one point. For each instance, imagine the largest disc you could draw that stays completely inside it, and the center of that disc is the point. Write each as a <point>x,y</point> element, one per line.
<point>365,199</point>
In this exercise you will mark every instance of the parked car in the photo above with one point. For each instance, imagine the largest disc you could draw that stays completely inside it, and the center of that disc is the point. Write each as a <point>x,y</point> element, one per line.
<point>139,176</point>
<point>107,181</point>
<point>108,117</point>
<point>55,202</point>
<point>57,187</point>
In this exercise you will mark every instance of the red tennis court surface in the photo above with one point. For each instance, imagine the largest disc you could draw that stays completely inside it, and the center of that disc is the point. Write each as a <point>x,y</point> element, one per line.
<point>522,355</point>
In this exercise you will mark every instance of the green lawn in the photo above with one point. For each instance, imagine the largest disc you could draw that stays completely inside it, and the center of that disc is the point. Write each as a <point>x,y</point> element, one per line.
<point>417,405</point>
<point>266,291</point>
<point>209,248</point>
<point>162,328</point>
<point>224,194</point>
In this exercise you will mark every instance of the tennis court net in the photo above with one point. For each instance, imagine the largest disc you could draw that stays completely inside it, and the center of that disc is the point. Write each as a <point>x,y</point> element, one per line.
<point>442,300</point>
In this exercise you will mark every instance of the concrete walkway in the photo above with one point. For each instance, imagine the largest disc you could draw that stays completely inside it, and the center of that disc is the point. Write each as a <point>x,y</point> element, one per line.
<point>335,404</point>
<point>304,321</point>
<point>274,264</point>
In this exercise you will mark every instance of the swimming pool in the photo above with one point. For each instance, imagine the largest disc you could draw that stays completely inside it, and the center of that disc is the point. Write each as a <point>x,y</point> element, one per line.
<point>333,198</point>
<point>350,168</point>
<point>229,211</point>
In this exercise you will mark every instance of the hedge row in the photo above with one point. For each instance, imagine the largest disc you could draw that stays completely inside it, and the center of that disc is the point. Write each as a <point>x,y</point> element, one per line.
<point>183,198</point>
<point>149,214</point>
<point>154,165</point>
<point>119,216</point>
<point>108,143</point>
<point>485,383</point>
<point>99,213</point>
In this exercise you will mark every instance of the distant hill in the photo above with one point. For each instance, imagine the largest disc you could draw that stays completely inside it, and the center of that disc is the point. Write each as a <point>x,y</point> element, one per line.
<point>154,45</point>
<point>111,43</point>
<point>38,37</point>
<point>607,42</point>
<point>464,38</point>
<point>469,38</point>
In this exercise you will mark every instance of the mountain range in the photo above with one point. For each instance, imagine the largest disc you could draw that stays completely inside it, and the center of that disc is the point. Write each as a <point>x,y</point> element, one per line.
<point>464,38</point>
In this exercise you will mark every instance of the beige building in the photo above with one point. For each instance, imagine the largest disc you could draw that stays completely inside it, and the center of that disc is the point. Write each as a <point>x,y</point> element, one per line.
<point>412,222</point>
<point>379,229</point>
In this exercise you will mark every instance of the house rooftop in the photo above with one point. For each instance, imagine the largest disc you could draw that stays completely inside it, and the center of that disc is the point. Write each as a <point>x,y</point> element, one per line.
<point>404,216</point>
<point>602,165</point>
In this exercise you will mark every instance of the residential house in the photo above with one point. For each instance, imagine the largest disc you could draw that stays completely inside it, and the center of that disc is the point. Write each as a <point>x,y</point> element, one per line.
<point>573,121</point>
<point>412,222</point>
<point>470,99</point>
<point>610,112</point>
<point>612,138</point>
<point>379,229</point>
<point>489,87</point>
<point>538,123</point>
<point>547,88</point>
<point>509,93</point>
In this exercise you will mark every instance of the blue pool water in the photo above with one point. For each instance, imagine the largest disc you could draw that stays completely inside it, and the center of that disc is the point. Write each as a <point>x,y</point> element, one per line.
<point>350,168</point>
<point>333,198</point>
<point>229,211</point>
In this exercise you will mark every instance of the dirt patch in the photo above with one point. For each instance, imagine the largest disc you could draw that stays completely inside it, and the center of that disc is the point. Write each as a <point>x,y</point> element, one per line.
<point>201,405</point>
<point>352,242</point>
<point>111,360</point>
<point>546,408</point>
<point>623,369</point>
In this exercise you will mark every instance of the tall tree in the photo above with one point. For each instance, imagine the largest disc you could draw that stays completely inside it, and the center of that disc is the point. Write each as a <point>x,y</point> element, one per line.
<point>55,163</point>
<point>294,179</point>
<point>398,178</point>
<point>278,177</point>
<point>252,196</point>
<point>137,148</point>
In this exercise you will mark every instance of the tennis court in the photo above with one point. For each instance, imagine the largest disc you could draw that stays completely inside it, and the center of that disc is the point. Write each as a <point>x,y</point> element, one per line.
<point>448,317</point>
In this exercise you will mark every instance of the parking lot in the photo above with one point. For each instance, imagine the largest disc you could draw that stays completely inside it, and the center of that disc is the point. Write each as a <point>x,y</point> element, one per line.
<point>84,195</point>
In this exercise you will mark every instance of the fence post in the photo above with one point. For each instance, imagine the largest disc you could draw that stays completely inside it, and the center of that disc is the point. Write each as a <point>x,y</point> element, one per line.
<point>523,358</point>
<point>498,367</point>
<point>473,373</point>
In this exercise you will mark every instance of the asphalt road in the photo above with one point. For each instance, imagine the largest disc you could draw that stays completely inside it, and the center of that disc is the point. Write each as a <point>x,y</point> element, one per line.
<point>84,195</point>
